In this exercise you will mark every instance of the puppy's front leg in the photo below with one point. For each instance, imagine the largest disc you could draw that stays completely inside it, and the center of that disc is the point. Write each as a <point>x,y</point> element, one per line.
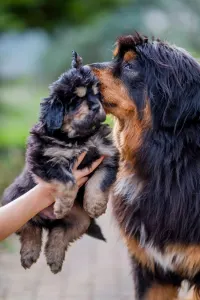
<point>52,164</point>
<point>65,195</point>
<point>98,186</point>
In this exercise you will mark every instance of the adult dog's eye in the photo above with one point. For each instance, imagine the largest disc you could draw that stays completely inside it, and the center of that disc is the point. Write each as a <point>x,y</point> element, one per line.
<point>128,66</point>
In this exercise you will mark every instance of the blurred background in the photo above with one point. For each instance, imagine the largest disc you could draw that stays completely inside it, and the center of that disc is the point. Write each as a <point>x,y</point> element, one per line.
<point>36,40</point>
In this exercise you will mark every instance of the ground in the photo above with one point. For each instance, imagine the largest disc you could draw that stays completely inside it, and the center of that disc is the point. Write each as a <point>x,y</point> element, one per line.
<point>92,270</point>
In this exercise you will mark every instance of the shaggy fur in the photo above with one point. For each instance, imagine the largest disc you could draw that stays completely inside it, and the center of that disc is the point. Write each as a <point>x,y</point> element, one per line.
<point>70,123</point>
<point>153,90</point>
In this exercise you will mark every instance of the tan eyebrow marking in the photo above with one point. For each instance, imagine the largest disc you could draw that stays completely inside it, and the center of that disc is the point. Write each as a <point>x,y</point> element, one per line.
<point>116,51</point>
<point>129,55</point>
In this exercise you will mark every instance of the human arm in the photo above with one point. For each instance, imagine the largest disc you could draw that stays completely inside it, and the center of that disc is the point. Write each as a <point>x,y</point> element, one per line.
<point>15,214</point>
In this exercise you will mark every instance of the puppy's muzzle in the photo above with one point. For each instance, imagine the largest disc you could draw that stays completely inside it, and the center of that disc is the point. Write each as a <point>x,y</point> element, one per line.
<point>94,103</point>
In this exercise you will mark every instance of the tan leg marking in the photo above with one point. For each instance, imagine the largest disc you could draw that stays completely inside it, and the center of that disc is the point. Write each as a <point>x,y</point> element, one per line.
<point>95,200</point>
<point>65,196</point>
<point>162,292</point>
<point>138,252</point>
<point>190,264</point>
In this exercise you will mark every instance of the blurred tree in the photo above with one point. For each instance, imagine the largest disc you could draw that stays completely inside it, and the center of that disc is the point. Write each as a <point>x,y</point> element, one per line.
<point>48,14</point>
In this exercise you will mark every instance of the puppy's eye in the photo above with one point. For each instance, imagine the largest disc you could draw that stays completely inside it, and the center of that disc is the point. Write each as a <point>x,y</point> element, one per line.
<point>74,103</point>
<point>81,91</point>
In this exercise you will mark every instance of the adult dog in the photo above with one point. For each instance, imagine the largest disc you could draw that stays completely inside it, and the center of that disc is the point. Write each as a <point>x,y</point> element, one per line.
<point>153,90</point>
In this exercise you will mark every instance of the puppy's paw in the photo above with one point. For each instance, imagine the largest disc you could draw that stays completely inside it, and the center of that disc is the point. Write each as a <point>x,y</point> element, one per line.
<point>62,207</point>
<point>95,204</point>
<point>55,267</point>
<point>65,196</point>
<point>29,256</point>
<point>31,243</point>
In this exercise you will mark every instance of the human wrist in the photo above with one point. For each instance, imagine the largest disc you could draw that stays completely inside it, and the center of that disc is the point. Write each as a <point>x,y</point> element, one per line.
<point>45,194</point>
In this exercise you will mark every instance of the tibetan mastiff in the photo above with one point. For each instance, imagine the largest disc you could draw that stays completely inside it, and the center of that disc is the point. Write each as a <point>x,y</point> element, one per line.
<point>153,91</point>
<point>71,122</point>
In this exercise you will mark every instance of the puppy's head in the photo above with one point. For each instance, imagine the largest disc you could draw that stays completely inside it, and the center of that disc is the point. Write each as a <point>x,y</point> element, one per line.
<point>154,78</point>
<point>74,105</point>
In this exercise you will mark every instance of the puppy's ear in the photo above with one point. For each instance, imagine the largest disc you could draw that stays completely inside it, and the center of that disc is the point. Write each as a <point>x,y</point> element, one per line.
<point>52,113</point>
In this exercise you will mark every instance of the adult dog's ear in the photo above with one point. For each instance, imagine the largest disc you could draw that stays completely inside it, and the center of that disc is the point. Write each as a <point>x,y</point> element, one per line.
<point>52,113</point>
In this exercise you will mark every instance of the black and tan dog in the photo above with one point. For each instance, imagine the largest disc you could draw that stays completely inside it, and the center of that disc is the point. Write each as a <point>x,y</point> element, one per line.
<point>70,123</point>
<point>153,90</point>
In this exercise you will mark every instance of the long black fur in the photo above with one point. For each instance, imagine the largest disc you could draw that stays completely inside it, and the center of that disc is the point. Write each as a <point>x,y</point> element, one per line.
<point>166,165</point>
<point>168,161</point>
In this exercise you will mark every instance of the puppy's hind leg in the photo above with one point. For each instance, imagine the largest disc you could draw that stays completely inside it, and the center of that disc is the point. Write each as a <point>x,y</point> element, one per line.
<point>73,227</point>
<point>31,243</point>
<point>55,248</point>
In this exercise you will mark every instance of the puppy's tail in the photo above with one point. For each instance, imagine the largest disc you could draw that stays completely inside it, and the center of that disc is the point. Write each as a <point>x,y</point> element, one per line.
<point>95,231</point>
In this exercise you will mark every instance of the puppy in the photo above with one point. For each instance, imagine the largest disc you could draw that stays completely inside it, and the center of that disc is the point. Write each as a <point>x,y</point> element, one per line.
<point>153,90</point>
<point>70,123</point>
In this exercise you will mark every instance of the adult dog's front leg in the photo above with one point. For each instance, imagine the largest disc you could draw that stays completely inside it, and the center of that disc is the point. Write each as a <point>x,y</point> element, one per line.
<point>148,287</point>
<point>98,187</point>
<point>31,243</point>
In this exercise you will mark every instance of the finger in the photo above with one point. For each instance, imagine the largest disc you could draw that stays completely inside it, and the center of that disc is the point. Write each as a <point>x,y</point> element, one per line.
<point>86,171</point>
<point>82,181</point>
<point>79,160</point>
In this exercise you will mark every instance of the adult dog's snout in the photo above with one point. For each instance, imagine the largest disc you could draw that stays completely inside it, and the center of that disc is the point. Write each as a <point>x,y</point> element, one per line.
<point>104,65</point>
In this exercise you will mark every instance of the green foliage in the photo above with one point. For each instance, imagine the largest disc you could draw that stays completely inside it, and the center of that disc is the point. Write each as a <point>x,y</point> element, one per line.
<point>11,162</point>
<point>19,111</point>
<point>49,14</point>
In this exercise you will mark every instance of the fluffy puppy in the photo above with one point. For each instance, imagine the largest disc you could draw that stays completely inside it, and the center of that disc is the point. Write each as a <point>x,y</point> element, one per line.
<point>70,123</point>
<point>153,90</point>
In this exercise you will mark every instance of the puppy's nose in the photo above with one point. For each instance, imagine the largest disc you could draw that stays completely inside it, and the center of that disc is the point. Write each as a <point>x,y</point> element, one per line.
<point>93,102</point>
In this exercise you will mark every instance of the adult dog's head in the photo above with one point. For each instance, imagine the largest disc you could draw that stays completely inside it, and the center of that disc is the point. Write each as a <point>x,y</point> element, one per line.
<point>74,105</point>
<point>151,83</point>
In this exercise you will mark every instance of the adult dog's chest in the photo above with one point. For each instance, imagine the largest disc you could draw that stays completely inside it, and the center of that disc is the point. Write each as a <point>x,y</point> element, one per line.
<point>178,258</point>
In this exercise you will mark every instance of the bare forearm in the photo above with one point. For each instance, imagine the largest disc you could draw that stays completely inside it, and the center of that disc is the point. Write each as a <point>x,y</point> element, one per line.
<point>15,214</point>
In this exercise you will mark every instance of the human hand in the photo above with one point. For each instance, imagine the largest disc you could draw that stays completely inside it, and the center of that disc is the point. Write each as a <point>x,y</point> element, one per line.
<point>81,176</point>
